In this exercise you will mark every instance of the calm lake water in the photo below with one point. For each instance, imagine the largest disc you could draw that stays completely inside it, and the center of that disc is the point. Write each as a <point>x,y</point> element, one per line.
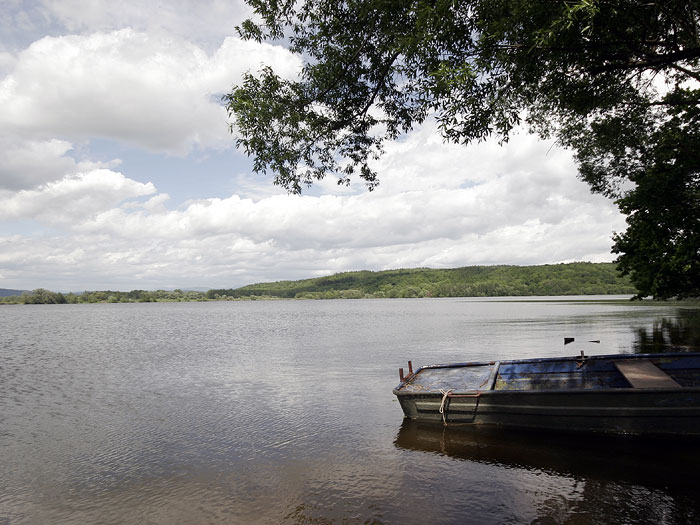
<point>282,411</point>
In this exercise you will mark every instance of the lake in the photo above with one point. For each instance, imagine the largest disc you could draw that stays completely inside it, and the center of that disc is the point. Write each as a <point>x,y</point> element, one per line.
<point>282,411</point>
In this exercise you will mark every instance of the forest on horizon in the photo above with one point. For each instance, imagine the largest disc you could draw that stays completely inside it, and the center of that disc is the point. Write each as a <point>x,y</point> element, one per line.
<point>580,278</point>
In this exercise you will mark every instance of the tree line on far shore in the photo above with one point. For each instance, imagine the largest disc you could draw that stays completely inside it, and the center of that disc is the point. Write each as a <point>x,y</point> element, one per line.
<point>471,281</point>
<point>42,296</point>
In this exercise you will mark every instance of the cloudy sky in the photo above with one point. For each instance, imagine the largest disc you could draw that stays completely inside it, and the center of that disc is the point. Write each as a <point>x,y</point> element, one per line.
<point>117,169</point>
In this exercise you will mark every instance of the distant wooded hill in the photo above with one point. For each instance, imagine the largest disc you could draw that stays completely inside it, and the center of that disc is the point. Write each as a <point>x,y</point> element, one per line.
<point>6,292</point>
<point>471,281</point>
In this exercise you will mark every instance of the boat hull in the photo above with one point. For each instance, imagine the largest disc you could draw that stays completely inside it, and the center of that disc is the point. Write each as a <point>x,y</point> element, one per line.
<point>640,412</point>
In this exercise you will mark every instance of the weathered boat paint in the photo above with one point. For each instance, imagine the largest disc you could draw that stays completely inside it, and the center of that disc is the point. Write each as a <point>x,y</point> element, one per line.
<point>582,394</point>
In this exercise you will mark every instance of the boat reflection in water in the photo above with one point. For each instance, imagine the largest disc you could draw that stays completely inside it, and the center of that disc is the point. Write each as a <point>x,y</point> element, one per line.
<point>616,479</point>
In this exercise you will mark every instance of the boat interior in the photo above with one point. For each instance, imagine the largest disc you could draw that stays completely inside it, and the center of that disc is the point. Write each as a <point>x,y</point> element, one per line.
<point>624,371</point>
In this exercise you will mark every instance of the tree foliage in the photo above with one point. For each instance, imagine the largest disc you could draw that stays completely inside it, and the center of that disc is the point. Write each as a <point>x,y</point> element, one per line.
<point>470,281</point>
<point>661,247</point>
<point>580,70</point>
<point>42,296</point>
<point>603,77</point>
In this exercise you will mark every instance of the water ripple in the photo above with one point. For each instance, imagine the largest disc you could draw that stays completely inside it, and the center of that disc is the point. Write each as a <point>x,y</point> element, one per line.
<point>282,411</point>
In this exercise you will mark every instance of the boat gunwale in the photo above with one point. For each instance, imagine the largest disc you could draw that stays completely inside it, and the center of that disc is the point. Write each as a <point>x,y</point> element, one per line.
<point>602,357</point>
<point>559,391</point>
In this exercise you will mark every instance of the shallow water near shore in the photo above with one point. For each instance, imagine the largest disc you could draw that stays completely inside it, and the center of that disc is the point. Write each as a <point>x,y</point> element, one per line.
<point>282,411</point>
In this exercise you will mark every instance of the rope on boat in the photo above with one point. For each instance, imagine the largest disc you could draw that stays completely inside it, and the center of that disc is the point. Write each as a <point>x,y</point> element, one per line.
<point>443,404</point>
<point>448,393</point>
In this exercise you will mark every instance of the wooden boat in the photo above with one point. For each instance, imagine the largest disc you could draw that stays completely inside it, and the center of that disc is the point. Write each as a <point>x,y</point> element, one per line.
<point>643,394</point>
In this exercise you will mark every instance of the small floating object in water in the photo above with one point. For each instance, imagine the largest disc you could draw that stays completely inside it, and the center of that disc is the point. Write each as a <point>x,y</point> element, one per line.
<point>645,394</point>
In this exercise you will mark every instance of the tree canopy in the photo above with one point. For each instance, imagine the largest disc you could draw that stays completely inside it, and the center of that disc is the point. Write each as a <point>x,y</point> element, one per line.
<point>660,248</point>
<point>614,80</point>
<point>469,281</point>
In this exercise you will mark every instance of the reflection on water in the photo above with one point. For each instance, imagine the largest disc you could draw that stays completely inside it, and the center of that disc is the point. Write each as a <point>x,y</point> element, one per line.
<point>609,458</point>
<point>614,479</point>
<point>282,411</point>
<point>670,334</point>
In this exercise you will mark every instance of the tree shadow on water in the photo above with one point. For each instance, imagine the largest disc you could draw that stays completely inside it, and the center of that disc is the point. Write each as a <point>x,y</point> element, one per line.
<point>670,334</point>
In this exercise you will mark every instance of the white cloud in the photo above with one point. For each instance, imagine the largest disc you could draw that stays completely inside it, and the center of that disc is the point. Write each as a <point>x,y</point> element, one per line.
<point>149,77</point>
<point>73,199</point>
<point>206,21</point>
<point>25,164</point>
<point>481,213</point>
<point>155,92</point>
<point>7,61</point>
